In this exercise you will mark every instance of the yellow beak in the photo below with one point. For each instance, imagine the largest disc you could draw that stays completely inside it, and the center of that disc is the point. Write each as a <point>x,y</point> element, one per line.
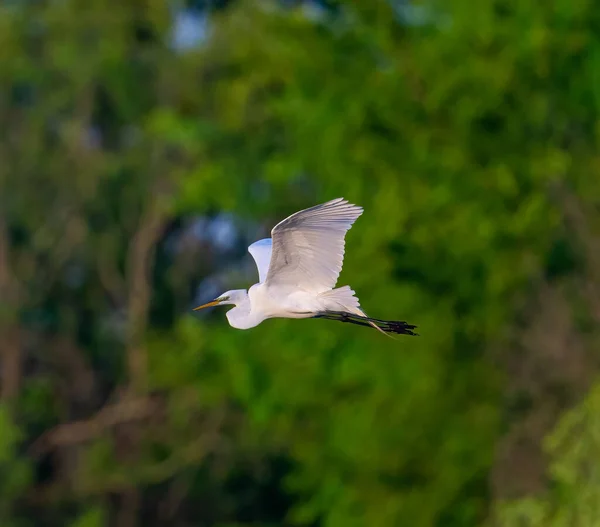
<point>210,304</point>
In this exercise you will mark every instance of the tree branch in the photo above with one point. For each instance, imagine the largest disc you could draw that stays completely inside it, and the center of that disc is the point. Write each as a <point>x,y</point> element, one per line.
<point>126,411</point>
<point>575,215</point>
<point>139,265</point>
<point>10,345</point>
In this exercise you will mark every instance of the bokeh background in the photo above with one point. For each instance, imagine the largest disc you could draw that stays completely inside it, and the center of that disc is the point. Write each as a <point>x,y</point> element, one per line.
<point>145,143</point>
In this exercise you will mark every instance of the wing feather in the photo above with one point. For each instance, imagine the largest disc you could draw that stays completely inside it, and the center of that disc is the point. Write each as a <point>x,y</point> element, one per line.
<point>308,246</point>
<point>261,252</point>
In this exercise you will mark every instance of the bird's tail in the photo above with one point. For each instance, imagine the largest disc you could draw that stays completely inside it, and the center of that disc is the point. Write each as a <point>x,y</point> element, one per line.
<point>341,299</point>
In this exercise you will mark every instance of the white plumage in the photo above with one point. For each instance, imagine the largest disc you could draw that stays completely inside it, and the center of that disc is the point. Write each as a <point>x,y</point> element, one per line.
<point>261,252</point>
<point>298,268</point>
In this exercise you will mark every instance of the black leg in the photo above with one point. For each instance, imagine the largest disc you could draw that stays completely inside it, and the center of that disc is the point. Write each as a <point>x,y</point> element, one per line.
<point>388,326</point>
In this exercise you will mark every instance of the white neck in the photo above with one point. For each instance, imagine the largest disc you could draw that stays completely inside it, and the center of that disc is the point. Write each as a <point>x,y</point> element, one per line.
<point>243,317</point>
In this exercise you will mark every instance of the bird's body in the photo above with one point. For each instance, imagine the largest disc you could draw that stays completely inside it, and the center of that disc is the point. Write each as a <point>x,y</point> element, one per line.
<point>262,303</point>
<point>298,268</point>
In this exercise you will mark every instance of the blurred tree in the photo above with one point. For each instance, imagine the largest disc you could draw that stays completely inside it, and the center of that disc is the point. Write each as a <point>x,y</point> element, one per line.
<point>451,132</point>
<point>574,496</point>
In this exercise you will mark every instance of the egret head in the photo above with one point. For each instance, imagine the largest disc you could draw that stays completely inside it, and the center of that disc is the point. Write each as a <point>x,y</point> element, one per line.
<point>235,297</point>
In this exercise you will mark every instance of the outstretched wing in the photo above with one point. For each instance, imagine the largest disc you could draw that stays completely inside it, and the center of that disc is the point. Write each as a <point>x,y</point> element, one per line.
<point>308,247</point>
<point>261,252</point>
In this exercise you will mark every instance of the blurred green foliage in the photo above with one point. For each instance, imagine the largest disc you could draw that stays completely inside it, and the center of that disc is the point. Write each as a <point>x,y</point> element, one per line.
<point>573,497</point>
<point>122,408</point>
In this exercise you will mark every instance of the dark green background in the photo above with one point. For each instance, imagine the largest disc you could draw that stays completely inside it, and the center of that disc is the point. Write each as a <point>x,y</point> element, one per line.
<point>472,141</point>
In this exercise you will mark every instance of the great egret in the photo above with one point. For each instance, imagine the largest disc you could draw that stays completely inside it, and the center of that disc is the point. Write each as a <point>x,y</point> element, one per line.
<point>298,268</point>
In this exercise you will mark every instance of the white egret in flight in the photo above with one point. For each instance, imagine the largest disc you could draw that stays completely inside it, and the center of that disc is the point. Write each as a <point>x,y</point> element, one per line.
<point>298,268</point>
